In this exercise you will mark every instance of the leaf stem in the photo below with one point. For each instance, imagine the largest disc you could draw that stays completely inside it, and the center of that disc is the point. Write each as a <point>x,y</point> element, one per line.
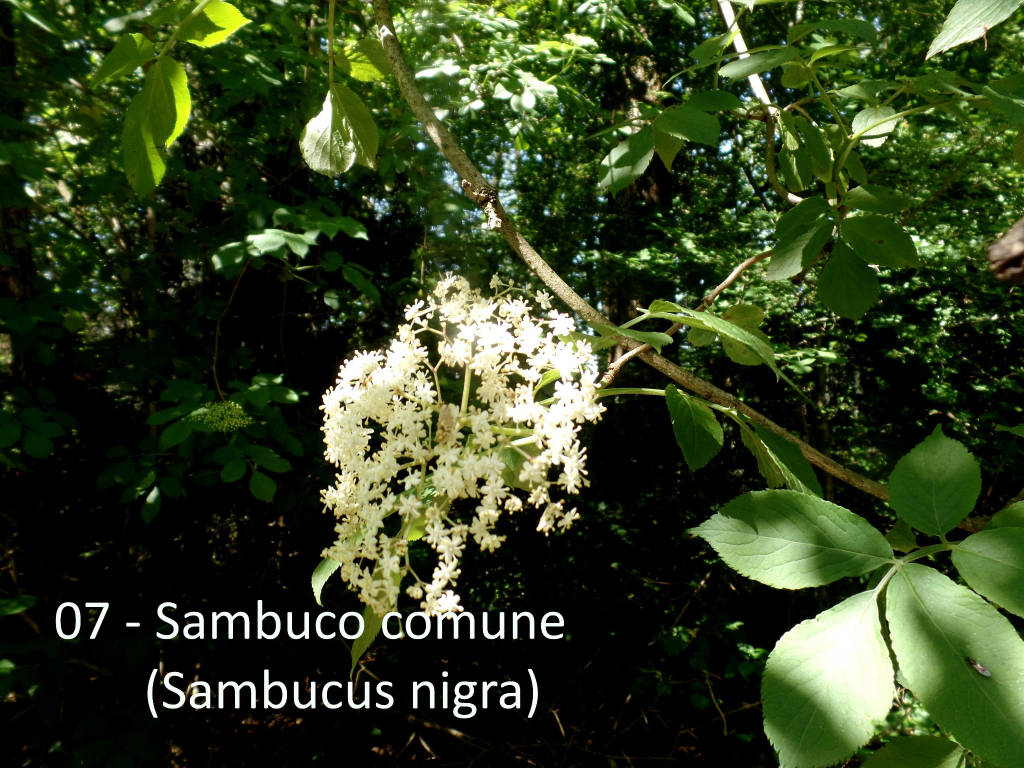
<point>177,30</point>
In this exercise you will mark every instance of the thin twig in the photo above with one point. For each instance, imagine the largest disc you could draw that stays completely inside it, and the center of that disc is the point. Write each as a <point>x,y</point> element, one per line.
<point>761,94</point>
<point>706,302</point>
<point>485,195</point>
<point>742,267</point>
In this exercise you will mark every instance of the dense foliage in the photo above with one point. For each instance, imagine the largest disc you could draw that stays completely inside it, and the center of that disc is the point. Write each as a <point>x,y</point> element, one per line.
<point>203,213</point>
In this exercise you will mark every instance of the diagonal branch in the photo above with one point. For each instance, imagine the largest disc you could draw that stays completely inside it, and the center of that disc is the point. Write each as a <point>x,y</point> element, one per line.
<point>478,188</point>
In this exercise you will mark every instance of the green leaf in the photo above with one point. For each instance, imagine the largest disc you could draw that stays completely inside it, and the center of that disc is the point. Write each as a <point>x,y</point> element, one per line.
<point>342,134</point>
<point>268,458</point>
<point>767,465</point>
<point>212,25</point>
<point>826,685</point>
<point>713,101</point>
<point>791,458</point>
<point>371,628</point>
<point>877,240</point>
<point>917,752</point>
<point>992,563</point>
<point>364,60</point>
<point>233,471</point>
<point>656,339</point>
<point>847,285</point>
<point>875,199</point>
<point>748,317</point>
<point>10,431</point>
<point>1010,106</point>
<point>1011,517</point>
<point>261,486</point>
<point>865,30</point>
<point>697,431</point>
<point>710,50</point>
<point>176,433</point>
<point>155,118</point>
<point>792,540</point>
<point>937,630</point>
<point>758,62</point>
<point>801,233</point>
<point>817,148</point>
<point>131,50</point>
<point>935,486</point>
<point>321,574</point>
<point>359,281</point>
<point>151,507</point>
<point>874,124</point>
<point>969,20</point>
<point>11,606</point>
<point>688,124</point>
<point>36,445</point>
<point>901,537</point>
<point>796,167</point>
<point>627,161</point>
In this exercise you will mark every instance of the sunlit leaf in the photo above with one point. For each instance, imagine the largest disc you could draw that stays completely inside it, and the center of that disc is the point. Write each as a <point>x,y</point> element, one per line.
<point>214,23</point>
<point>342,134</point>
<point>792,540</point>
<point>969,20</point>
<point>992,563</point>
<point>940,631</point>
<point>827,684</point>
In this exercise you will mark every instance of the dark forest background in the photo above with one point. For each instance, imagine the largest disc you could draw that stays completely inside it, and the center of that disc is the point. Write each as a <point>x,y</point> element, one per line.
<point>245,276</point>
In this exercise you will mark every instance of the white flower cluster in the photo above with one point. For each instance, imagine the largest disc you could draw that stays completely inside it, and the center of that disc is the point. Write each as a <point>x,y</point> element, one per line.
<point>412,464</point>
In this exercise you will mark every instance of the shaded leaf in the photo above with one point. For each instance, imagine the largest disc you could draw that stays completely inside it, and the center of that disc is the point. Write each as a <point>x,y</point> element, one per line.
<point>1012,516</point>
<point>713,101</point>
<point>792,458</point>
<point>875,199</point>
<point>688,124</point>
<point>847,285</point>
<point>11,606</point>
<point>826,685</point>
<point>935,486</point>
<point>697,431</point>
<point>865,30</point>
<point>878,240</point>
<point>801,233</point>
<point>917,752</point>
<point>151,507</point>
<point>261,486</point>
<point>176,433</point>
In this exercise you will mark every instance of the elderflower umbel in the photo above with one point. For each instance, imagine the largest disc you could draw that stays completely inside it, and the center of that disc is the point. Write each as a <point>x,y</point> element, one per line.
<point>414,465</point>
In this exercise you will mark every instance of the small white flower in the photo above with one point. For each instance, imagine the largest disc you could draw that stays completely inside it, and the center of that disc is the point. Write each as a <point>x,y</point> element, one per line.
<point>411,465</point>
